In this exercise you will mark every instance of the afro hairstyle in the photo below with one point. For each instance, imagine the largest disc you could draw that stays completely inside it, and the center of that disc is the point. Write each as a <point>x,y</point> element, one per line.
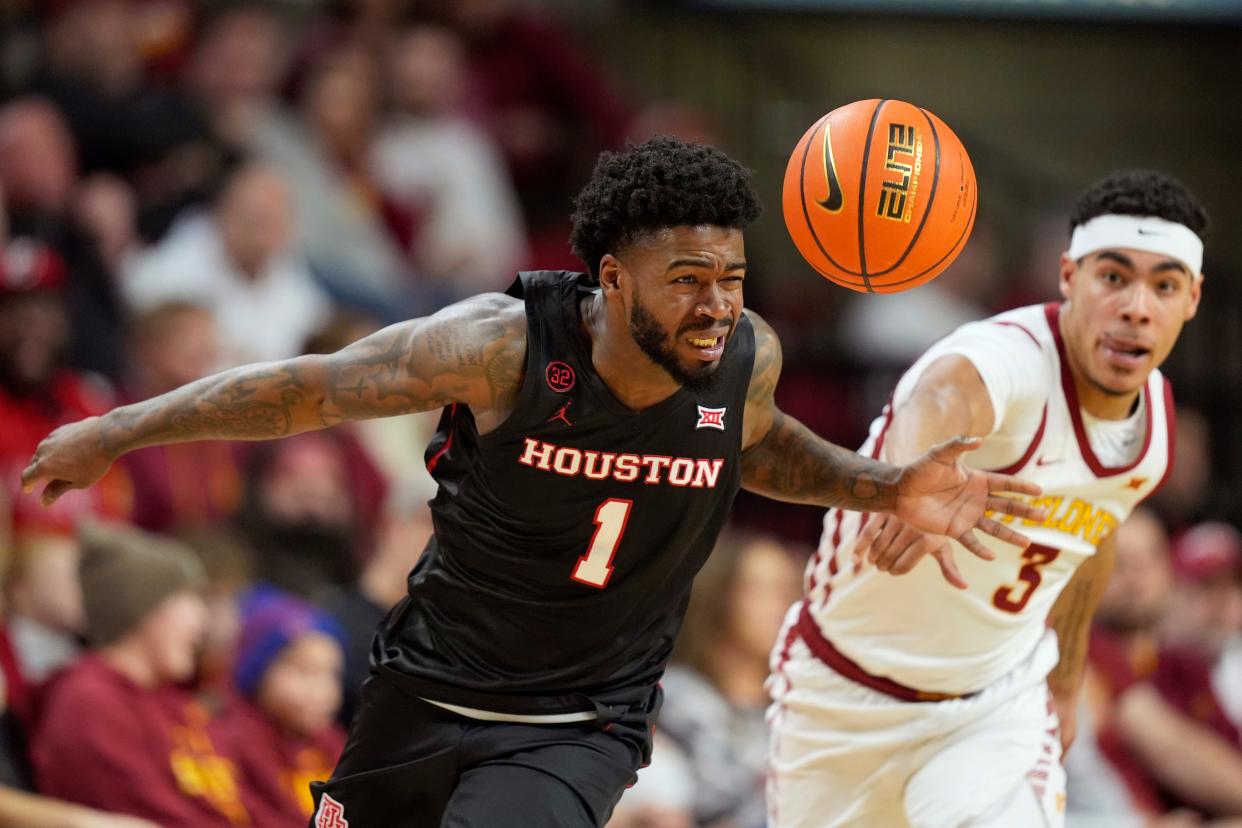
<point>1140,193</point>
<point>662,182</point>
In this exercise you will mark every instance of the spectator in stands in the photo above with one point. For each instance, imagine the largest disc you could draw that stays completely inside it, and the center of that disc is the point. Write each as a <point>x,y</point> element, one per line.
<point>38,172</point>
<point>347,229</point>
<point>234,72</point>
<point>37,393</point>
<point>121,120</point>
<point>1205,615</point>
<point>184,487</point>
<point>107,211</point>
<point>443,168</point>
<point>299,512</point>
<point>546,105</point>
<point>714,697</point>
<point>237,261</point>
<point>43,615</point>
<point>1150,749</point>
<point>144,749</point>
<point>1205,610</point>
<point>282,728</point>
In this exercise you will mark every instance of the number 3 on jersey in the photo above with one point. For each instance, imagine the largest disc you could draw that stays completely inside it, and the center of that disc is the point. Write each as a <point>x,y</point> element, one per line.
<point>595,567</point>
<point>1014,598</point>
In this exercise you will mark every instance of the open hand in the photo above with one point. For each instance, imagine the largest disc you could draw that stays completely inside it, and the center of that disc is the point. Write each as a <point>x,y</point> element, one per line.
<point>938,496</point>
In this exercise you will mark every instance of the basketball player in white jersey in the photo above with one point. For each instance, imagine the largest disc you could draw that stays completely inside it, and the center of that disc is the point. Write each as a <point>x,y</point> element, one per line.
<point>931,699</point>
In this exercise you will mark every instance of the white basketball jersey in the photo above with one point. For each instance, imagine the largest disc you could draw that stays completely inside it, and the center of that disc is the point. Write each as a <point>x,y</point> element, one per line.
<point>918,630</point>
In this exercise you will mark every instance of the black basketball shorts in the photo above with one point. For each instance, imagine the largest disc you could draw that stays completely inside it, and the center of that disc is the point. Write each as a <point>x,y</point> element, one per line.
<point>411,764</point>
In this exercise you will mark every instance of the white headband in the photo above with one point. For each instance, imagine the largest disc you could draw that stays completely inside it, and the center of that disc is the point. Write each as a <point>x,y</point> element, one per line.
<point>1154,235</point>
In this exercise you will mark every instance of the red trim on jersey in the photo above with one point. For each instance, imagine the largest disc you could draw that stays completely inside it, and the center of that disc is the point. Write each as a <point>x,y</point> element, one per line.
<point>836,515</point>
<point>836,543</point>
<point>1053,311</point>
<point>790,638</point>
<point>1022,328</point>
<point>1013,467</point>
<point>1170,421</point>
<point>448,442</point>
<point>875,455</point>
<point>823,649</point>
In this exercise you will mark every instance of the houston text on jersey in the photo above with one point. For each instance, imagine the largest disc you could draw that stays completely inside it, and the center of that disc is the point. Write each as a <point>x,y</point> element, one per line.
<point>653,469</point>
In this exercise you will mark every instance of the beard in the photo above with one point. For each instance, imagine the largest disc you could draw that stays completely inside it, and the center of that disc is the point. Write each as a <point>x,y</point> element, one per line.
<point>304,557</point>
<point>653,340</point>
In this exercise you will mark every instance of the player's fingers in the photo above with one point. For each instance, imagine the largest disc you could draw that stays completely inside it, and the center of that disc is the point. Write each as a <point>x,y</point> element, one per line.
<point>882,548</point>
<point>1017,508</point>
<point>872,524</point>
<point>30,475</point>
<point>1009,483</point>
<point>896,547</point>
<point>971,541</point>
<point>950,450</point>
<point>1002,532</point>
<point>948,567</point>
<point>911,555</point>
<point>53,491</point>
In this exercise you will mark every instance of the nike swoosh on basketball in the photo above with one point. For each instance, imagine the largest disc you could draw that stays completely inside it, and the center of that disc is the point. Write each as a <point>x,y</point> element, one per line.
<point>836,198</point>
<point>1044,461</point>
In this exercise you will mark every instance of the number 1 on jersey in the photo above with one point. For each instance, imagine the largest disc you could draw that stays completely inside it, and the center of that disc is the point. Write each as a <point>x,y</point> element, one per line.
<point>595,567</point>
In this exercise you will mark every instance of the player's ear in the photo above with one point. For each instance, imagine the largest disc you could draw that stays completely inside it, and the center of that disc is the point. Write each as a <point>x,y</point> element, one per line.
<point>609,273</point>
<point>1068,268</point>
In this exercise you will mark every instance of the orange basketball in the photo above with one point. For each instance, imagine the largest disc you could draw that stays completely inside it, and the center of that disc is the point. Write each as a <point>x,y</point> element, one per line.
<point>879,196</point>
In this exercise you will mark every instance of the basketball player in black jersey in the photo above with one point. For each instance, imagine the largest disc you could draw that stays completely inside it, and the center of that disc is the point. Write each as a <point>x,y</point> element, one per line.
<point>596,428</point>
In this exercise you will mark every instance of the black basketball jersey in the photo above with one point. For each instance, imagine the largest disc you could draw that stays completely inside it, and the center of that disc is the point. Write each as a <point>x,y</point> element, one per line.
<point>567,538</point>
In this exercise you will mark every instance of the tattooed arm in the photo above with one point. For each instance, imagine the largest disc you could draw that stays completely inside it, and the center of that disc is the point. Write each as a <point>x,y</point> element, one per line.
<point>1071,618</point>
<point>472,352</point>
<point>784,460</point>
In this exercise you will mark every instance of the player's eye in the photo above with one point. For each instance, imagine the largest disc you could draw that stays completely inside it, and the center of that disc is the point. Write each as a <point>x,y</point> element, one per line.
<point>1167,286</point>
<point>1112,277</point>
<point>686,280</point>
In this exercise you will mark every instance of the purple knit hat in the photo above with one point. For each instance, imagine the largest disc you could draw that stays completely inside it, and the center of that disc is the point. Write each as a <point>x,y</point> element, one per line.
<point>272,620</point>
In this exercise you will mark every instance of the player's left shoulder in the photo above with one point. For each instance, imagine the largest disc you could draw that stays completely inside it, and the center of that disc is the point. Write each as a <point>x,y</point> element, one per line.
<point>768,355</point>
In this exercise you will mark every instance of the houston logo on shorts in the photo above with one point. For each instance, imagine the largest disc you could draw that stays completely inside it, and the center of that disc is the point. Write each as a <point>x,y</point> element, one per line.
<point>331,814</point>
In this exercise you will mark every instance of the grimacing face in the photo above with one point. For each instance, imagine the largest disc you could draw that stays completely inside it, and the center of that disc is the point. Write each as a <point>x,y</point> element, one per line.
<point>683,293</point>
<point>1126,310</point>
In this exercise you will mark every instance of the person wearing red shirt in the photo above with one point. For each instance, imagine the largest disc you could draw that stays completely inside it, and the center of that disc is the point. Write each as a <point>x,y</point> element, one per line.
<point>117,731</point>
<point>37,393</point>
<point>288,674</point>
<point>1155,719</point>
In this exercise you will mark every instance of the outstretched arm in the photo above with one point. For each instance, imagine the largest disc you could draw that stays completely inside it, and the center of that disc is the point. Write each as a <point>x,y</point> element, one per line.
<point>950,398</point>
<point>785,460</point>
<point>472,352</point>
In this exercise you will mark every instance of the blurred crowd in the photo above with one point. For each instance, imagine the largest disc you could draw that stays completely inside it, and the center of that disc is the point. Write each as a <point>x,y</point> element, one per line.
<point>188,186</point>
